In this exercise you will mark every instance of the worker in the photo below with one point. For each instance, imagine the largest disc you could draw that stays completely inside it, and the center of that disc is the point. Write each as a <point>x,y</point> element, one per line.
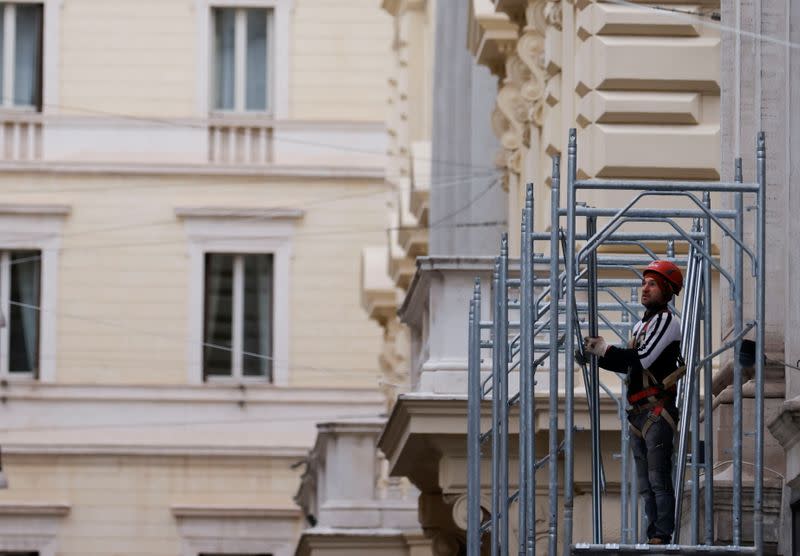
<point>653,364</point>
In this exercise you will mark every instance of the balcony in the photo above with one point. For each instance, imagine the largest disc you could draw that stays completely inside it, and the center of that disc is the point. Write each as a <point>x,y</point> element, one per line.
<point>240,141</point>
<point>237,144</point>
<point>20,136</point>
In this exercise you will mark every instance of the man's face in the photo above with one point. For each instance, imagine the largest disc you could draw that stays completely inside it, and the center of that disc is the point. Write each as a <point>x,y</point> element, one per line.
<point>652,296</point>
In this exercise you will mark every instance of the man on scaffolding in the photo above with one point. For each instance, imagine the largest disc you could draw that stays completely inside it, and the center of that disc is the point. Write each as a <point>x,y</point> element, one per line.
<point>653,364</point>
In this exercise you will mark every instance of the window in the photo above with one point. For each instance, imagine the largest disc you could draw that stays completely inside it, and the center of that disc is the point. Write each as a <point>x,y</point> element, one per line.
<point>20,295</point>
<point>21,55</point>
<point>237,340</point>
<point>241,59</point>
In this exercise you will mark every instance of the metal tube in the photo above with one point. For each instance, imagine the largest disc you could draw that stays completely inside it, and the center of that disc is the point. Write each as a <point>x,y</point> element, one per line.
<point>708,399</point>
<point>738,319</point>
<point>624,462</point>
<point>503,349</point>
<point>496,422</point>
<point>688,383</point>
<point>555,288</point>
<point>569,346</point>
<point>694,504</point>
<point>761,177</point>
<point>672,186</point>
<point>530,463</point>
<point>665,212</point>
<point>597,506</point>
<point>474,426</point>
<point>695,418</point>
<point>524,389</point>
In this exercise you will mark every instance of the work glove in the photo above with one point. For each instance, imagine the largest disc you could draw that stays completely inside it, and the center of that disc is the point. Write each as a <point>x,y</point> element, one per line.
<point>595,345</point>
<point>580,358</point>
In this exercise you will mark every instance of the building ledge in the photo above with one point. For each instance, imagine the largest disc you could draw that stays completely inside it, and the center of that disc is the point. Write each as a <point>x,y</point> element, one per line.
<point>422,425</point>
<point>491,36</point>
<point>378,294</point>
<point>786,425</point>
<point>32,509</point>
<point>217,511</point>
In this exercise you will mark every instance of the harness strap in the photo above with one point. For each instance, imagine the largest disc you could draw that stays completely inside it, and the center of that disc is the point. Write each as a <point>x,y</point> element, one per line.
<point>656,414</point>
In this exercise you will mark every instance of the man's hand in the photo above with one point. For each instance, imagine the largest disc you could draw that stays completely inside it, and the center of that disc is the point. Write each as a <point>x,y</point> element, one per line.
<point>595,345</point>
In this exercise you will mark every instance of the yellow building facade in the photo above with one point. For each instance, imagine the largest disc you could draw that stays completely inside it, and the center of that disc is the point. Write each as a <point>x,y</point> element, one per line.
<point>185,189</point>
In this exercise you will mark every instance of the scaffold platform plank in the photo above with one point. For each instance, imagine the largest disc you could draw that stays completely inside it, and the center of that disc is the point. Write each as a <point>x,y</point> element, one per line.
<point>657,550</point>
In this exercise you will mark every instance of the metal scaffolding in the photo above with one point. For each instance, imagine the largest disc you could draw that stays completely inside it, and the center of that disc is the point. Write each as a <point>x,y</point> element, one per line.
<point>535,320</point>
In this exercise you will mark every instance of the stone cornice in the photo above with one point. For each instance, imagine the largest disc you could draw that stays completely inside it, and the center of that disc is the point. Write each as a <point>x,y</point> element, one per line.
<point>786,425</point>
<point>422,424</point>
<point>199,394</point>
<point>491,36</point>
<point>262,512</point>
<point>269,213</point>
<point>28,209</point>
<point>397,7</point>
<point>34,509</point>
<point>411,309</point>
<point>277,171</point>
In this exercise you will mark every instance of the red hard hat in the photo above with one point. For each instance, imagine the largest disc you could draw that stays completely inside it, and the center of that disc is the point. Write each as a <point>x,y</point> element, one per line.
<point>669,271</point>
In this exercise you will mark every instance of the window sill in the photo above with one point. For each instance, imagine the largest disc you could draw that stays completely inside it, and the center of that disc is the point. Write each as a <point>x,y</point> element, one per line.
<point>240,381</point>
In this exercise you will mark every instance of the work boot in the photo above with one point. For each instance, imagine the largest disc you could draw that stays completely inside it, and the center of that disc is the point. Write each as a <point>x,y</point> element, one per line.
<point>656,540</point>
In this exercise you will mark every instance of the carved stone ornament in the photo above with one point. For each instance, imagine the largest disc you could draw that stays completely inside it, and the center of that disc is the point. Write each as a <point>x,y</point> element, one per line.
<point>552,13</point>
<point>530,49</point>
<point>460,509</point>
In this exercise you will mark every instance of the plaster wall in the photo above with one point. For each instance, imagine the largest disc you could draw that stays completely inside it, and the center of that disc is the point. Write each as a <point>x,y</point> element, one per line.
<point>122,504</point>
<point>122,313</point>
<point>140,58</point>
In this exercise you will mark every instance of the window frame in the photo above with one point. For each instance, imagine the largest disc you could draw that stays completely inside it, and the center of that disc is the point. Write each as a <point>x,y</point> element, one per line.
<point>5,332</point>
<point>38,227</point>
<point>246,232</point>
<point>277,57</point>
<point>240,66</point>
<point>237,333</point>
<point>49,66</point>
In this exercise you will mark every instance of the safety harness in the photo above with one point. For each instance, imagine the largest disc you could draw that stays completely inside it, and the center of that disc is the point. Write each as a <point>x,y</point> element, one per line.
<point>655,393</point>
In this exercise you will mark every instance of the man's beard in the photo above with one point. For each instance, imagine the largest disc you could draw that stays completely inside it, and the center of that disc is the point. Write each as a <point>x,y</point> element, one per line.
<point>655,304</point>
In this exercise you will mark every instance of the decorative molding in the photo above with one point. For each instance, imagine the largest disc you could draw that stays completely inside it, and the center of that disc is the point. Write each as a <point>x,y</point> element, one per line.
<point>52,449</point>
<point>268,512</point>
<point>786,425</point>
<point>274,171</point>
<point>31,526</point>
<point>236,529</point>
<point>491,36</point>
<point>34,508</point>
<point>277,213</point>
<point>29,209</point>
<point>530,49</point>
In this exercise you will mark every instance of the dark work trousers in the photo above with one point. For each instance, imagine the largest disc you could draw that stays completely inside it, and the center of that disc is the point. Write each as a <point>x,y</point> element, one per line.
<point>653,457</point>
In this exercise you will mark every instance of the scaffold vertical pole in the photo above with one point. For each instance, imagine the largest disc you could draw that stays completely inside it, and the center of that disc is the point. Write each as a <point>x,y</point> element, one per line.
<point>738,319</point>
<point>708,401</point>
<point>761,171</point>
<point>530,445</point>
<point>474,425</point>
<point>502,348</point>
<point>695,407</point>
<point>569,345</point>
<point>496,420</point>
<point>594,389</point>
<point>555,288</point>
